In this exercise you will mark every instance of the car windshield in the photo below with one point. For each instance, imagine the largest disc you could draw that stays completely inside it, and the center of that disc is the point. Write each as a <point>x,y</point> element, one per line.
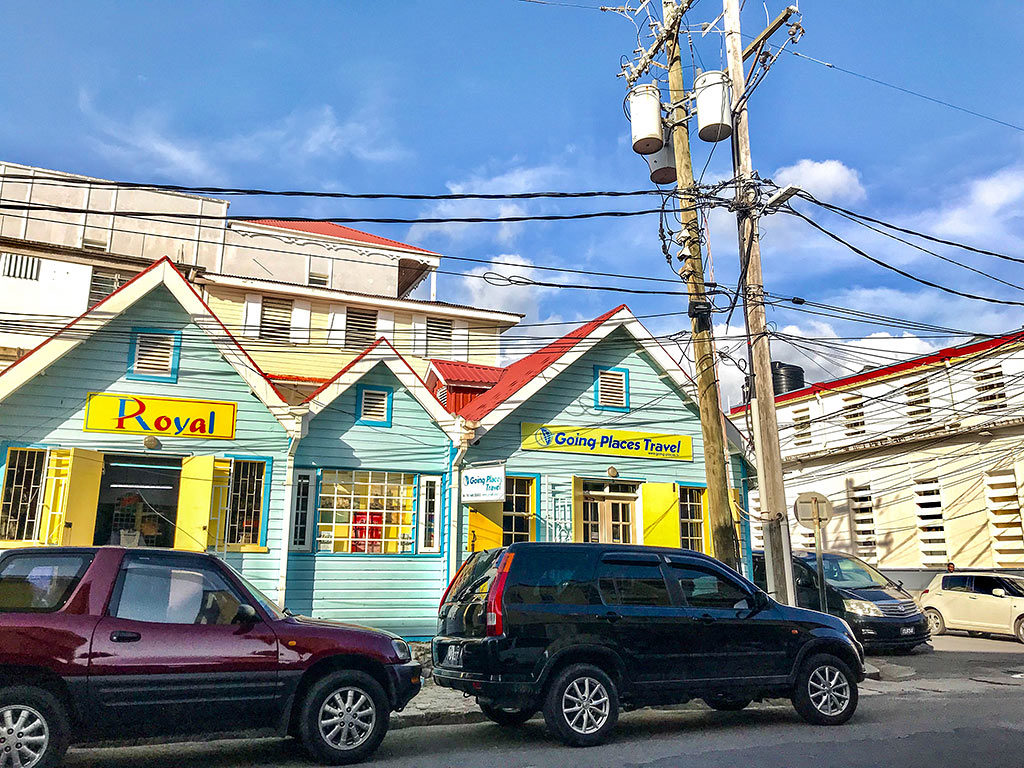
<point>849,573</point>
<point>475,577</point>
<point>265,602</point>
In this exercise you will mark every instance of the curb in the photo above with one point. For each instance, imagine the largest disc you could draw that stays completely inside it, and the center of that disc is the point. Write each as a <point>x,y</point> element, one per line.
<point>871,672</point>
<point>420,719</point>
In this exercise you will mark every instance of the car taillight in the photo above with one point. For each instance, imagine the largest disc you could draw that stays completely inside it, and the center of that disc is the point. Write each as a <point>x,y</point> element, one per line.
<point>495,595</point>
<point>451,583</point>
<point>924,593</point>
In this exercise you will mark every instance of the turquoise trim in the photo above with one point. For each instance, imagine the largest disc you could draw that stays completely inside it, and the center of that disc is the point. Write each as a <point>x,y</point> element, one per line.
<point>746,544</point>
<point>360,388</point>
<point>597,389</point>
<point>169,378</point>
<point>268,478</point>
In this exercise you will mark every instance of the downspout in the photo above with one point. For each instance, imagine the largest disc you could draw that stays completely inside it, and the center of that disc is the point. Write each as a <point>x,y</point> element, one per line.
<point>465,430</point>
<point>299,427</point>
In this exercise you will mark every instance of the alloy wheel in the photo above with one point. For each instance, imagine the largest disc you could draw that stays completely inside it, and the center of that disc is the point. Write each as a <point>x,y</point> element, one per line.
<point>829,690</point>
<point>24,737</point>
<point>933,622</point>
<point>585,705</point>
<point>347,718</point>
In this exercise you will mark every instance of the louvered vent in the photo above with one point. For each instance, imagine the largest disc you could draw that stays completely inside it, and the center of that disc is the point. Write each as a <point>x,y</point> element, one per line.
<point>275,319</point>
<point>442,396</point>
<point>862,507</point>
<point>360,327</point>
<point>919,405</point>
<point>756,526</point>
<point>374,406</point>
<point>802,426</point>
<point>991,389</point>
<point>611,389</point>
<point>853,415</point>
<point>439,335</point>
<point>931,527</point>
<point>154,353</point>
<point>20,266</point>
<point>1004,518</point>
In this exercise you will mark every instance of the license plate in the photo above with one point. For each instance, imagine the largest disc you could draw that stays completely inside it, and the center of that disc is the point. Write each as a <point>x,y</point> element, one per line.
<point>903,631</point>
<point>453,658</point>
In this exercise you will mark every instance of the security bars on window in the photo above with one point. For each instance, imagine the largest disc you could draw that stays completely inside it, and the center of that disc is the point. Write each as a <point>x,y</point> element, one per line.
<point>366,512</point>
<point>23,486</point>
<point>246,506</point>
<point>20,266</point>
<point>103,283</point>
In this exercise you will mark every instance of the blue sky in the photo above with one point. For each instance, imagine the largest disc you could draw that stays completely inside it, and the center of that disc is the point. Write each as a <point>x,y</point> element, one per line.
<point>509,96</point>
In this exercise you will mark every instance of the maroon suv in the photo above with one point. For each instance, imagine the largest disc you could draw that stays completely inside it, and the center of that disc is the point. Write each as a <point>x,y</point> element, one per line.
<point>110,642</point>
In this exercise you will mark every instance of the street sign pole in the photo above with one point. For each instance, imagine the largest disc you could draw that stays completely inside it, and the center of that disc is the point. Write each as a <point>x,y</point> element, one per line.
<point>813,510</point>
<point>822,596</point>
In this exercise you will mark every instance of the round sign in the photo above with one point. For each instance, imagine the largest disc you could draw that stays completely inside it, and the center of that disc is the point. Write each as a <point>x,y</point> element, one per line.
<point>810,505</point>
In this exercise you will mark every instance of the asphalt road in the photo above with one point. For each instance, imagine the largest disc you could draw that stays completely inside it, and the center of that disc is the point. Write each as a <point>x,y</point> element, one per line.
<point>931,725</point>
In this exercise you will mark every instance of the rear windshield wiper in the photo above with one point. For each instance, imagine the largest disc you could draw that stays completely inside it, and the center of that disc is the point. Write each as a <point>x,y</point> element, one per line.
<point>472,586</point>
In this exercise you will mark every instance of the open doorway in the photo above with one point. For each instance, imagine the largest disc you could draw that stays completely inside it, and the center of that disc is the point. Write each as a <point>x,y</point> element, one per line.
<point>138,501</point>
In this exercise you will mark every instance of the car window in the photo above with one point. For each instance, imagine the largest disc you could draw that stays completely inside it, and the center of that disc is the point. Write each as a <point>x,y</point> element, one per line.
<point>633,584</point>
<point>475,577</point>
<point>174,593</point>
<point>956,583</point>
<point>559,577</point>
<point>705,588</point>
<point>37,583</point>
<point>849,573</point>
<point>985,584</point>
<point>1014,586</point>
<point>760,575</point>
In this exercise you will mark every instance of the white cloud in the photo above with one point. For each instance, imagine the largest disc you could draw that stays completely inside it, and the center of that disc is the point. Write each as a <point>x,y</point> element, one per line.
<point>988,208</point>
<point>828,180</point>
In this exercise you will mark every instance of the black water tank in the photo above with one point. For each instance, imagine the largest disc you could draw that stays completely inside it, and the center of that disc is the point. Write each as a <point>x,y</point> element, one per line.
<point>786,377</point>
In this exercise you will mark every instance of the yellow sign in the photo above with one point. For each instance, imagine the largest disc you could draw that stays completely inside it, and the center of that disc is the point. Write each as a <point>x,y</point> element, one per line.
<point>607,442</point>
<point>167,416</point>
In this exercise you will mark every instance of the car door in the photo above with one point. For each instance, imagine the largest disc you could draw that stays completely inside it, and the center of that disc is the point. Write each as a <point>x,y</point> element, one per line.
<point>987,612</point>
<point>953,600</point>
<point>169,654</point>
<point>639,614</point>
<point>725,637</point>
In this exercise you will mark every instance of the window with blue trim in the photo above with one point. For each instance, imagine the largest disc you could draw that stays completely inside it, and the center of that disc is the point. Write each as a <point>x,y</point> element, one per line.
<point>611,388</point>
<point>374,406</point>
<point>153,355</point>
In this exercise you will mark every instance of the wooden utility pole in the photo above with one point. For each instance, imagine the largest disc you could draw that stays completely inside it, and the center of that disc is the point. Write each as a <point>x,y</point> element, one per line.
<point>766,426</point>
<point>723,529</point>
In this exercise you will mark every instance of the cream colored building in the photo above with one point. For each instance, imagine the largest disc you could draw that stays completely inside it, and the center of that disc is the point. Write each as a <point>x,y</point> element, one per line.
<point>922,460</point>
<point>304,297</point>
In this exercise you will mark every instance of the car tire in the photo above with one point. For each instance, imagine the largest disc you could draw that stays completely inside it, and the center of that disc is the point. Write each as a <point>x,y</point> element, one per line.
<point>581,707</point>
<point>936,625</point>
<point>825,691</point>
<point>727,703</point>
<point>46,730</point>
<point>1018,629</point>
<point>506,716</point>
<point>344,717</point>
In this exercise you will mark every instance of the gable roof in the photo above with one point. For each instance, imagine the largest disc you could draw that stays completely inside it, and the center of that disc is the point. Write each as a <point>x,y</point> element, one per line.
<point>458,372</point>
<point>161,272</point>
<point>330,229</point>
<point>381,351</point>
<point>927,360</point>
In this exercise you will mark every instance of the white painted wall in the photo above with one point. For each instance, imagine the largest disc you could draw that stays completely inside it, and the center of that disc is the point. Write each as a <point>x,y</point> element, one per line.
<point>62,290</point>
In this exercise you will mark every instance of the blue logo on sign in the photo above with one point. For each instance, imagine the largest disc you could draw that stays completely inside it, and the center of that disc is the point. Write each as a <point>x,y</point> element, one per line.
<point>545,435</point>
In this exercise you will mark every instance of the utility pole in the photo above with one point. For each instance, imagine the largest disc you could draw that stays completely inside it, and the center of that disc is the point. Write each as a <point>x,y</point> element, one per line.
<point>778,560</point>
<point>723,529</point>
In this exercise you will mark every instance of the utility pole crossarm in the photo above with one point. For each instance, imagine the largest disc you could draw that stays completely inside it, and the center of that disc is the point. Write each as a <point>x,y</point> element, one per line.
<point>770,30</point>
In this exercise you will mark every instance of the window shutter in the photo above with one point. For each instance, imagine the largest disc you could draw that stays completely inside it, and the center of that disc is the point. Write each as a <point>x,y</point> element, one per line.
<point>360,327</point>
<point>251,315</point>
<point>460,340</point>
<point>611,389</point>
<point>336,326</point>
<point>419,335</point>
<point>300,322</point>
<point>154,353</point>
<point>275,319</point>
<point>386,326</point>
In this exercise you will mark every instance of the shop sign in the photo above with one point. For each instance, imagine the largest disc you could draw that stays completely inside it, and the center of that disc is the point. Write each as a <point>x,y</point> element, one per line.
<point>483,483</point>
<point>167,416</point>
<point>607,442</point>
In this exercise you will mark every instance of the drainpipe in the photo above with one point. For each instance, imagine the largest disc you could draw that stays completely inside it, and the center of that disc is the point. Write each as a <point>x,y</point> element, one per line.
<point>466,431</point>
<point>297,431</point>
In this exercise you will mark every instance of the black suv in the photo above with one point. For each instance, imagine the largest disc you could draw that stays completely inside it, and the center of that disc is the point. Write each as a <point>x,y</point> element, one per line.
<point>582,630</point>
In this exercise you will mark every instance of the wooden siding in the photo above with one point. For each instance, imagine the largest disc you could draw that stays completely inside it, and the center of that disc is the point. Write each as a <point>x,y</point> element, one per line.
<point>49,410</point>
<point>398,593</point>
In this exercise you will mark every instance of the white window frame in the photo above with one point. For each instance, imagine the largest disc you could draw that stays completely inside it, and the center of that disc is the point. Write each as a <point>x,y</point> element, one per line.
<point>421,517</point>
<point>307,476</point>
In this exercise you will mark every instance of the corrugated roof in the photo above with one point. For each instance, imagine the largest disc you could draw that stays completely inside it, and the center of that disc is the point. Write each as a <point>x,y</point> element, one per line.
<point>330,229</point>
<point>459,372</point>
<point>884,372</point>
<point>518,374</point>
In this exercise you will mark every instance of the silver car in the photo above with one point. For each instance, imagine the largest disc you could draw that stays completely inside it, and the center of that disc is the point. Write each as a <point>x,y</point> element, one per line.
<point>976,601</point>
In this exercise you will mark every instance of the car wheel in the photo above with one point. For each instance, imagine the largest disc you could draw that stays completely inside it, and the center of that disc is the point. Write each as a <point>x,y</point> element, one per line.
<point>344,717</point>
<point>34,728</point>
<point>935,623</point>
<point>726,703</point>
<point>506,716</point>
<point>826,691</point>
<point>581,706</point>
<point>1018,629</point>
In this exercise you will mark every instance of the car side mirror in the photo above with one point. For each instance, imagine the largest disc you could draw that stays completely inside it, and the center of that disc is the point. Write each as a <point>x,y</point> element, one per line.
<point>998,592</point>
<point>246,615</point>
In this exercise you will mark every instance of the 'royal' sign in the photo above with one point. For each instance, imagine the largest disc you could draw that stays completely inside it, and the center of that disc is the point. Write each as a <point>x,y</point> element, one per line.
<point>607,442</point>
<point>167,416</point>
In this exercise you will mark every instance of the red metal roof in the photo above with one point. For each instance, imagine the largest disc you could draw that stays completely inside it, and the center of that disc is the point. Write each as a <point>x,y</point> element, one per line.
<point>458,372</point>
<point>518,374</point>
<point>330,229</point>
<point>932,358</point>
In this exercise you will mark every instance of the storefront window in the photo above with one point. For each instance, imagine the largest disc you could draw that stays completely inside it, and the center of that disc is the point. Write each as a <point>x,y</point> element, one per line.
<point>20,506</point>
<point>430,514</point>
<point>246,504</point>
<point>691,519</point>
<point>516,512</point>
<point>366,512</point>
